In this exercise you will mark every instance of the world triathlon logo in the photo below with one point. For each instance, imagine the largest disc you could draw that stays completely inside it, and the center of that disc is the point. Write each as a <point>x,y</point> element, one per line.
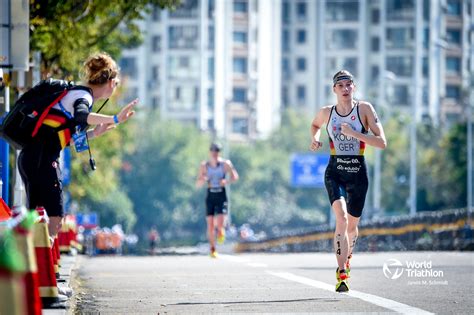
<point>393,269</point>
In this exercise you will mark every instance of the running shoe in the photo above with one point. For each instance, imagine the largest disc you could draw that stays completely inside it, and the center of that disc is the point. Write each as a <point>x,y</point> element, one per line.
<point>213,254</point>
<point>221,237</point>
<point>342,286</point>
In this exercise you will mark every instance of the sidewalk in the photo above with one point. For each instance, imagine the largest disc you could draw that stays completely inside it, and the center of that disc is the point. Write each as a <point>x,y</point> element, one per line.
<point>67,264</point>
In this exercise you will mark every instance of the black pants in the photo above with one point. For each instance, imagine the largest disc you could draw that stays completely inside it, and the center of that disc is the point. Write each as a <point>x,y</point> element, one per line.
<point>216,201</point>
<point>39,170</point>
<point>346,177</point>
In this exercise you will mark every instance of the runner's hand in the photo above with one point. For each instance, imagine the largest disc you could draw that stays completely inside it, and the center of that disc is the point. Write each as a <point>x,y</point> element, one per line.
<point>223,182</point>
<point>315,145</point>
<point>346,129</point>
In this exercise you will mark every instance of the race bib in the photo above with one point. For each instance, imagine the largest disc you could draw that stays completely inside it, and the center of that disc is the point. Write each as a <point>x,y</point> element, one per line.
<point>80,141</point>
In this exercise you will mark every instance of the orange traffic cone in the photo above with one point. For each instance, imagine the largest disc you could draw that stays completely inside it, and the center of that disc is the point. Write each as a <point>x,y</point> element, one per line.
<point>11,267</point>
<point>65,238</point>
<point>55,255</point>
<point>5,212</point>
<point>48,286</point>
<point>24,242</point>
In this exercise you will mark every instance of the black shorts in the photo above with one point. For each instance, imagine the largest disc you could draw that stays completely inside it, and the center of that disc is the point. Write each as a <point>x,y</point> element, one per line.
<point>39,169</point>
<point>346,177</point>
<point>216,201</point>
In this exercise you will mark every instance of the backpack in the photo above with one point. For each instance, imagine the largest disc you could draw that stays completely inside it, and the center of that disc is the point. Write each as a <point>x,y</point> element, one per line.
<point>21,125</point>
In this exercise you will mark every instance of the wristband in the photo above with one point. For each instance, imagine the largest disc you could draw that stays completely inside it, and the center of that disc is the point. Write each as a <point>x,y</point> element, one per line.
<point>116,119</point>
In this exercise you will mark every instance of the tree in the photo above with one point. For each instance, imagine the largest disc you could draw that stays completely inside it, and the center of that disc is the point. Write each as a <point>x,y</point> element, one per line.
<point>66,32</point>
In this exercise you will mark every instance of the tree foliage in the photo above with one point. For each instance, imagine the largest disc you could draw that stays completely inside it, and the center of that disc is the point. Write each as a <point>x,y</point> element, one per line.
<point>67,31</point>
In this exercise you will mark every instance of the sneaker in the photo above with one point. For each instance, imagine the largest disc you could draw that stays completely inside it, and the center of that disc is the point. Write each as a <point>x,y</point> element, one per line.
<point>213,254</point>
<point>342,286</point>
<point>221,237</point>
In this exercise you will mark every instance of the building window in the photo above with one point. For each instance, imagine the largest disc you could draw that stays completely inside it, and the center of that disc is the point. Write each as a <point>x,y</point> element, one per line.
<point>400,37</point>
<point>285,41</point>
<point>210,37</point>
<point>453,65</point>
<point>240,65</point>
<point>342,39</point>
<point>183,98</point>
<point>211,9</point>
<point>156,13</point>
<point>186,9</point>
<point>301,9</point>
<point>210,124</point>
<point>210,68</point>
<point>401,66</point>
<point>375,16</point>
<point>426,37</point>
<point>155,102</point>
<point>240,126</point>
<point>350,63</point>
<point>285,12</point>
<point>155,73</point>
<point>183,67</point>
<point>301,94</point>
<point>128,67</point>
<point>301,64</point>
<point>400,9</point>
<point>454,7</point>
<point>425,69</point>
<point>301,36</point>
<point>183,37</point>
<point>348,11</point>
<point>453,36</point>
<point>400,95</point>
<point>375,43</point>
<point>240,7</point>
<point>240,38</point>
<point>453,92</point>
<point>239,95</point>
<point>374,72</point>
<point>156,43</point>
<point>284,96</point>
<point>210,99</point>
<point>285,68</point>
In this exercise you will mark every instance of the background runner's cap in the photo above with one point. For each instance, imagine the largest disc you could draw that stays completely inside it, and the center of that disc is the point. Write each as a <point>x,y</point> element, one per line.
<point>342,75</point>
<point>215,147</point>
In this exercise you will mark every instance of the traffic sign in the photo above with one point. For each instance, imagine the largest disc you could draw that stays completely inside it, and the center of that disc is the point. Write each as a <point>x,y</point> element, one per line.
<point>88,220</point>
<point>307,170</point>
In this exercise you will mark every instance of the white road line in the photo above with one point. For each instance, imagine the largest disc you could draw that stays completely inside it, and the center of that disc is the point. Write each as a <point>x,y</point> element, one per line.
<point>370,298</point>
<point>257,265</point>
<point>234,258</point>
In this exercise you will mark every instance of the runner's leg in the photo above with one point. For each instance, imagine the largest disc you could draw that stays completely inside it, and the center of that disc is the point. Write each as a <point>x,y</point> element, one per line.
<point>341,240</point>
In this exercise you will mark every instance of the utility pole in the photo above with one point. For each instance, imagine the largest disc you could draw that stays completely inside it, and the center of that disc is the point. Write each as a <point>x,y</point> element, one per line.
<point>416,102</point>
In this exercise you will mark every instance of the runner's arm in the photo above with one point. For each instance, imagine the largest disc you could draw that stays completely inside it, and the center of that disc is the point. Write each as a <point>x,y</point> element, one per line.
<point>378,139</point>
<point>316,126</point>
<point>229,168</point>
<point>202,178</point>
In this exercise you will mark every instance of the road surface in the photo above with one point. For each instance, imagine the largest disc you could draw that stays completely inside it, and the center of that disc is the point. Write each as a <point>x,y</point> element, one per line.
<point>438,282</point>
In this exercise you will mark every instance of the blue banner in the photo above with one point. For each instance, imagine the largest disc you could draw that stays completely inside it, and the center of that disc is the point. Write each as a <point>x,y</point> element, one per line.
<point>307,170</point>
<point>87,220</point>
